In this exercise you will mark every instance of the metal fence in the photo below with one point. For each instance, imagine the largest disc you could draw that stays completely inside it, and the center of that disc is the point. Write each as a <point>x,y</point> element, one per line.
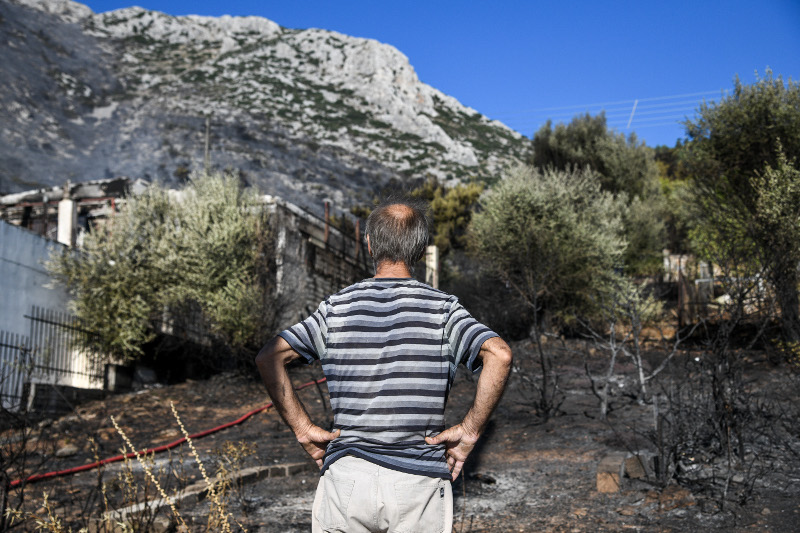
<point>52,353</point>
<point>57,339</point>
<point>14,368</point>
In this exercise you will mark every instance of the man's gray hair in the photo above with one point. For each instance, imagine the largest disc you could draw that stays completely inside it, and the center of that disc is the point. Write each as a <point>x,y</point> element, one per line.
<point>398,231</point>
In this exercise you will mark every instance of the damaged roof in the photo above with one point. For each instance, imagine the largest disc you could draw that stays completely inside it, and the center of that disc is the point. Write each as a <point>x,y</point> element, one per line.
<point>105,188</point>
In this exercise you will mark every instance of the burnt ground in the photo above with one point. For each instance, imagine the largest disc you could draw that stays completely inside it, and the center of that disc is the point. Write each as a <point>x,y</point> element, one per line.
<point>525,475</point>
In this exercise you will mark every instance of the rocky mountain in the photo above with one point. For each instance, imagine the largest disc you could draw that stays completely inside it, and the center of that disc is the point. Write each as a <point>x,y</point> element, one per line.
<point>306,115</point>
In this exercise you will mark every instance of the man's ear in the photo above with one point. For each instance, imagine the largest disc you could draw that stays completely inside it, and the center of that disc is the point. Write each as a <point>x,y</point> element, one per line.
<point>369,248</point>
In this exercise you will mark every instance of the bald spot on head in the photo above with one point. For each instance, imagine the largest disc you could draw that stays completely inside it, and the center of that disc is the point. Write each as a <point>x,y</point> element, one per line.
<point>398,231</point>
<point>399,211</point>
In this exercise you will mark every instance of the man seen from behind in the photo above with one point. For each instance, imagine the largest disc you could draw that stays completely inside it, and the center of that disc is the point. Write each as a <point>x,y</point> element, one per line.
<point>389,348</point>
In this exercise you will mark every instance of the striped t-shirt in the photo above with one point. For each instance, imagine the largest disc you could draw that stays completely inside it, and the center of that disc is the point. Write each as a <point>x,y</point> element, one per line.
<point>389,348</point>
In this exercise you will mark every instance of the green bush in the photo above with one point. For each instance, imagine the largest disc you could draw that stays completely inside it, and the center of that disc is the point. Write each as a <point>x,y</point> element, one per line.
<point>555,236</point>
<point>451,210</point>
<point>160,257</point>
<point>624,167</point>
<point>744,180</point>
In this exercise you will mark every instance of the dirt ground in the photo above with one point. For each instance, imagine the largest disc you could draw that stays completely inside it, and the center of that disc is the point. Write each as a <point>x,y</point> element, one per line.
<point>524,476</point>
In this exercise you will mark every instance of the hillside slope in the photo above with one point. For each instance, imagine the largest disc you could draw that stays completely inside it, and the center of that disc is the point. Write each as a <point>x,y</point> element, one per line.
<point>305,115</point>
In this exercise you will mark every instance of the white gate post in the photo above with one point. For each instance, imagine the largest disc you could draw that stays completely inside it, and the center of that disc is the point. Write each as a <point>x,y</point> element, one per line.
<point>432,266</point>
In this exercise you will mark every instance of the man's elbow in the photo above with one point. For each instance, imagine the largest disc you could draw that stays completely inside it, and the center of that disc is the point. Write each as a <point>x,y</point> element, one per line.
<point>276,353</point>
<point>499,352</point>
<point>504,355</point>
<point>266,354</point>
<point>260,358</point>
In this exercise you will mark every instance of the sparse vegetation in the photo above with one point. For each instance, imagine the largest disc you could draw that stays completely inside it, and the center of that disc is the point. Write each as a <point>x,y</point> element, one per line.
<point>710,430</point>
<point>141,495</point>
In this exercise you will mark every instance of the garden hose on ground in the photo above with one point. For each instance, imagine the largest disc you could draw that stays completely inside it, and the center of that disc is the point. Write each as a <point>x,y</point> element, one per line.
<point>158,449</point>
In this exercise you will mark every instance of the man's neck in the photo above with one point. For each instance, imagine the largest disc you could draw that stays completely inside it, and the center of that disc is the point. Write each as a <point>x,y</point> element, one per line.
<point>392,270</point>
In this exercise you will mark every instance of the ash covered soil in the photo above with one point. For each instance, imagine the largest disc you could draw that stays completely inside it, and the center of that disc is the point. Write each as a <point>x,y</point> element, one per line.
<point>524,476</point>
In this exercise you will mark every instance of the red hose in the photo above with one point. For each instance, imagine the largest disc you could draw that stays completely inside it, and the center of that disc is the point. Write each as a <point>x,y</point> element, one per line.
<point>158,449</point>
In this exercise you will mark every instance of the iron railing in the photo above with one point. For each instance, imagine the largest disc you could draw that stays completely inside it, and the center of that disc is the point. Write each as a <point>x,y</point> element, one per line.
<point>54,352</point>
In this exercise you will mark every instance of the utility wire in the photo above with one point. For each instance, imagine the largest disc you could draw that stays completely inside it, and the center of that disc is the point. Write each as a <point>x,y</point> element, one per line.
<point>657,111</point>
<point>602,104</point>
<point>625,112</point>
<point>611,121</point>
<point>661,124</point>
<point>666,113</point>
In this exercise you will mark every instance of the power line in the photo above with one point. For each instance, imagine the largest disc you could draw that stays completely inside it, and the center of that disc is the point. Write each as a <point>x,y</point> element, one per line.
<point>676,118</point>
<point>640,113</point>
<point>651,122</point>
<point>674,113</point>
<point>611,120</point>
<point>682,106</point>
<point>657,118</point>
<point>614,103</point>
<point>678,109</point>
<point>661,124</point>
<point>692,101</point>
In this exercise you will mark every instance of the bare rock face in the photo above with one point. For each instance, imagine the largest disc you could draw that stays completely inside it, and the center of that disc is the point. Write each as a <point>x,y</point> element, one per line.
<point>305,115</point>
<point>65,9</point>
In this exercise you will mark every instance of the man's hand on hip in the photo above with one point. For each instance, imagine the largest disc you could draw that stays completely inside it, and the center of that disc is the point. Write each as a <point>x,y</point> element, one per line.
<point>458,443</point>
<point>315,441</point>
<point>460,439</point>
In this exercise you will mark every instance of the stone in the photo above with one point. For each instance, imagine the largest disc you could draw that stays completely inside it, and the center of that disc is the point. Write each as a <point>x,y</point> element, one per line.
<point>607,482</point>
<point>67,451</point>
<point>295,468</point>
<point>252,474</point>
<point>107,434</point>
<point>608,472</point>
<point>169,433</point>
<point>634,467</point>
<point>121,519</point>
<point>195,492</point>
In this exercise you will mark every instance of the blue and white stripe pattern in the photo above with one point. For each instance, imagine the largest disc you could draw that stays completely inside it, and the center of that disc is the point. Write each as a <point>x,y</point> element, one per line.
<point>389,348</point>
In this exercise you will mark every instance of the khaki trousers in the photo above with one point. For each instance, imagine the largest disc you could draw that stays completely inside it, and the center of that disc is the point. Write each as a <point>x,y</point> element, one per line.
<point>356,496</point>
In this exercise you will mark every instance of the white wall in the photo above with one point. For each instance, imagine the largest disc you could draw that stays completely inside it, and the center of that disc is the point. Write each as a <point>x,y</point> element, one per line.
<point>23,278</point>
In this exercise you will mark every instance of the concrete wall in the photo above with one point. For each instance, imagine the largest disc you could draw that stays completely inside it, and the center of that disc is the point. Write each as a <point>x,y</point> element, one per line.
<point>23,278</point>
<point>310,267</point>
<point>53,399</point>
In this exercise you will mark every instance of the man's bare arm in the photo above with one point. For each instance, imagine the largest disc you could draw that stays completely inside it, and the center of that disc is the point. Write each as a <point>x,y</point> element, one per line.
<point>271,362</point>
<point>460,439</point>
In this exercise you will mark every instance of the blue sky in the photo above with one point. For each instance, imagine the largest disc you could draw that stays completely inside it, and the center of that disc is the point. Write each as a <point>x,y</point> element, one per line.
<point>523,62</point>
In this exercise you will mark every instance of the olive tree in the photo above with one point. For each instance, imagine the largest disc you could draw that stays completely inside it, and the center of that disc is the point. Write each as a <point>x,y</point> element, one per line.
<point>202,252</point>
<point>556,237</point>
<point>624,167</point>
<point>776,226</point>
<point>742,183</point>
